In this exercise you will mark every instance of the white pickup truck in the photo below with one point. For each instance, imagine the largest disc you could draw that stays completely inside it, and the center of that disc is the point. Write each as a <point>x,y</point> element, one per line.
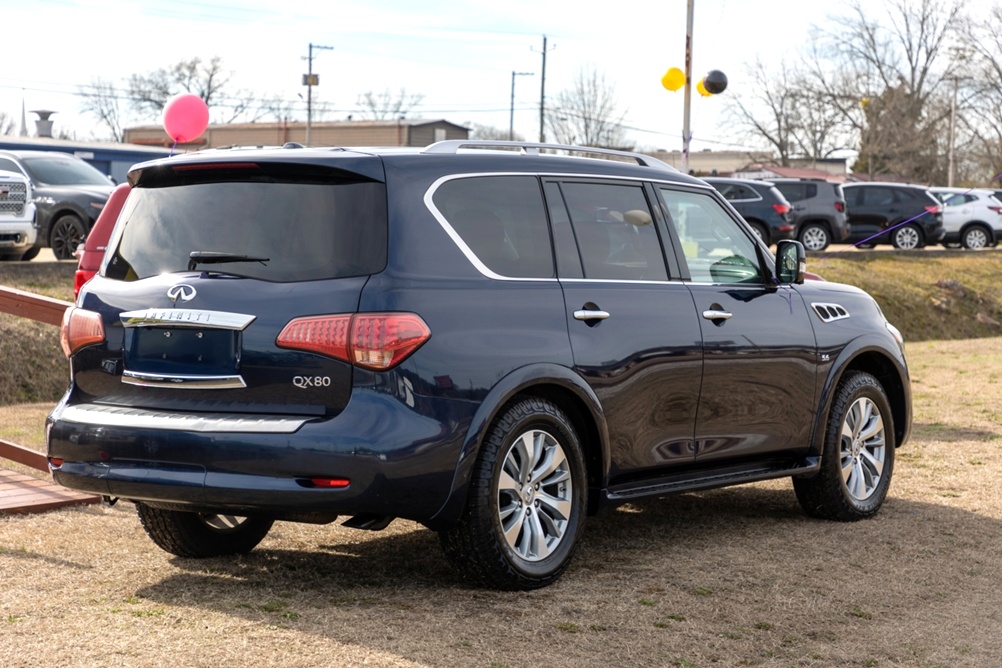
<point>17,216</point>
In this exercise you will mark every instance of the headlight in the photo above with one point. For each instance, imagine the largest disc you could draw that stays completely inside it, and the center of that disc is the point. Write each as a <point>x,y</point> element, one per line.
<point>42,199</point>
<point>896,333</point>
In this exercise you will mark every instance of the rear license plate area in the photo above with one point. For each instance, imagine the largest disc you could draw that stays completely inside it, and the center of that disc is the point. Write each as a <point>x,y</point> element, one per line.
<point>182,350</point>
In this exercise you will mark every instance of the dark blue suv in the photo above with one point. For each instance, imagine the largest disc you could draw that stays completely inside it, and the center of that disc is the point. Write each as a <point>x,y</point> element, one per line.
<point>493,339</point>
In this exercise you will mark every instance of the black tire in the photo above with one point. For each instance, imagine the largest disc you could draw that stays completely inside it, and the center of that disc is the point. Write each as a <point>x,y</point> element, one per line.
<point>975,237</point>
<point>543,520</point>
<point>815,237</point>
<point>198,535</point>
<point>67,233</point>
<point>31,254</point>
<point>856,466</point>
<point>907,237</point>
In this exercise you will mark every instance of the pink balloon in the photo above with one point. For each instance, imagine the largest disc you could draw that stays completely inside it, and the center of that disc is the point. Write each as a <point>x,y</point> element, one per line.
<point>185,117</point>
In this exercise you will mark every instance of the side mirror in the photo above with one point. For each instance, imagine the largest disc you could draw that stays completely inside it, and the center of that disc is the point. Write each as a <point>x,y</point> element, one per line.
<point>791,262</point>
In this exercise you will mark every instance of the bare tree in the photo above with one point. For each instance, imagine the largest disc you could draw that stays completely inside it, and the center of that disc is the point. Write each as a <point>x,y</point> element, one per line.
<point>8,125</point>
<point>149,93</point>
<point>490,132</point>
<point>388,105</point>
<point>586,113</point>
<point>885,75</point>
<point>980,79</point>
<point>103,101</point>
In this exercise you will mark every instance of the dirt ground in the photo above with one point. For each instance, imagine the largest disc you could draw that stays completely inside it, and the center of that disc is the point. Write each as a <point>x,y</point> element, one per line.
<point>733,577</point>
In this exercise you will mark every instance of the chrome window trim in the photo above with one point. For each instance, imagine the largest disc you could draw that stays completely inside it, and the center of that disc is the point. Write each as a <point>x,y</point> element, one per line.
<point>183,381</point>
<point>472,257</point>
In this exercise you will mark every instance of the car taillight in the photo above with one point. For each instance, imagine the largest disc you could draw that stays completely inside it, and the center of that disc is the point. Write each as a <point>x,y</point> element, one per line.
<point>933,209</point>
<point>781,209</point>
<point>996,209</point>
<point>840,206</point>
<point>81,277</point>
<point>375,341</point>
<point>80,328</point>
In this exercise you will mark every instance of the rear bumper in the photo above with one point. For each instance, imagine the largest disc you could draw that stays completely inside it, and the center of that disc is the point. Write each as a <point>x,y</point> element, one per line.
<point>400,460</point>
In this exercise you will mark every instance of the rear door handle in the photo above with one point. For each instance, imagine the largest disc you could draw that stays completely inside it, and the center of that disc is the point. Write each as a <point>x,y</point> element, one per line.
<point>586,314</point>
<point>713,314</point>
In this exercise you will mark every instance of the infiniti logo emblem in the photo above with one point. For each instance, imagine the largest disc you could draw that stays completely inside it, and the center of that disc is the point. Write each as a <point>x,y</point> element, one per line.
<point>181,291</point>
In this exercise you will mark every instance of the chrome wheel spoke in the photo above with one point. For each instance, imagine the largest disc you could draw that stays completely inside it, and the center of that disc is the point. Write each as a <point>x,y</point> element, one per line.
<point>861,453</point>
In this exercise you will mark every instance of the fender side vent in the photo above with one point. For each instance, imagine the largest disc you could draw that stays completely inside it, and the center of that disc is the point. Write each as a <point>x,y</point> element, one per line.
<point>829,312</point>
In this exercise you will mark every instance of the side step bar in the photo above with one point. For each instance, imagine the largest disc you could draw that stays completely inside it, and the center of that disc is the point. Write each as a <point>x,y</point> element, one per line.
<point>709,479</point>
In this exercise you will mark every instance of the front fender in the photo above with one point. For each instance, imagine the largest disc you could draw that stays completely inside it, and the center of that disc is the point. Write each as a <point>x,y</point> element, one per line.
<point>552,381</point>
<point>882,357</point>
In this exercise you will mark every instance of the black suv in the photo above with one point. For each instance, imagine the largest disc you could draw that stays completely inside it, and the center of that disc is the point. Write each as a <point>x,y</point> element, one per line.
<point>899,214</point>
<point>761,204</point>
<point>69,195</point>
<point>495,343</point>
<point>819,211</point>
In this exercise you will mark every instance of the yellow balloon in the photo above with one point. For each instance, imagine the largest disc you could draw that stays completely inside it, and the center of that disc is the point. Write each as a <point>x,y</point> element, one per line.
<point>673,79</point>
<point>702,89</point>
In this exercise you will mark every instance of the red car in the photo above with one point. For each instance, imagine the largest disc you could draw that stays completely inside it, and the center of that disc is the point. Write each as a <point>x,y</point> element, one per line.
<point>92,251</point>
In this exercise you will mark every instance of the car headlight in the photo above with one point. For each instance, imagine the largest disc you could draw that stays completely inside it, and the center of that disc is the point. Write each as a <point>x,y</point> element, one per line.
<point>42,199</point>
<point>896,333</point>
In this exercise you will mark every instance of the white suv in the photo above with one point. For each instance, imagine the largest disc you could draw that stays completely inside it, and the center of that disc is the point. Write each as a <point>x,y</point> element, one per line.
<point>17,216</point>
<point>972,218</point>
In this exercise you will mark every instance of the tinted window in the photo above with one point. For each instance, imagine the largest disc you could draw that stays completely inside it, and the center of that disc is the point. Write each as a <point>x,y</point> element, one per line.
<point>716,248</point>
<point>878,196</point>
<point>793,191</point>
<point>736,191</point>
<point>8,165</point>
<point>57,170</point>
<point>614,231</point>
<point>306,231</point>
<point>503,222</point>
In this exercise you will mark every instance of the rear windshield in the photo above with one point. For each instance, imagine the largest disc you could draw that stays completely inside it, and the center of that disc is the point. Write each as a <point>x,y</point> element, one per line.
<point>305,230</point>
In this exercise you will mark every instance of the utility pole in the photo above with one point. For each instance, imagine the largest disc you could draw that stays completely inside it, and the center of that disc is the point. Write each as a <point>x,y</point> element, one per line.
<point>511,117</point>
<point>310,80</point>
<point>686,134</point>
<point>542,95</point>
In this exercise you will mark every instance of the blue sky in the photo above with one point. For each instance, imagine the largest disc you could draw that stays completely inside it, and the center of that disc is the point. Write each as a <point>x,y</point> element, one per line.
<point>458,55</point>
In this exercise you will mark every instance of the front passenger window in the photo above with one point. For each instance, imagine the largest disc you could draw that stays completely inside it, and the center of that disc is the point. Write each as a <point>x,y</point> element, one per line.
<point>716,248</point>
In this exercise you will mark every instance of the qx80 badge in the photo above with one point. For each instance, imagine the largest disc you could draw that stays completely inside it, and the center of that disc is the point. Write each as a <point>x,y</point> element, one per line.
<point>181,291</point>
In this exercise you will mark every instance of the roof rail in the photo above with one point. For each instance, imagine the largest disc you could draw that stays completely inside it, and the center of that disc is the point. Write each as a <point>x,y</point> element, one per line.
<point>533,148</point>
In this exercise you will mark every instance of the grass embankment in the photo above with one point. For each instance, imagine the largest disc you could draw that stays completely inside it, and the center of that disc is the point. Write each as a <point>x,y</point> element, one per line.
<point>927,295</point>
<point>931,295</point>
<point>32,366</point>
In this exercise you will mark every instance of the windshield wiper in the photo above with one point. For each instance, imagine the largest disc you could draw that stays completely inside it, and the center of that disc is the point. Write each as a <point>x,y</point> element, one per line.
<point>211,257</point>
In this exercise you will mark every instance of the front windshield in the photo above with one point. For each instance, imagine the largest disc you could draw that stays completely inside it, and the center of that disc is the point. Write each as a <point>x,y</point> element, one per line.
<point>57,170</point>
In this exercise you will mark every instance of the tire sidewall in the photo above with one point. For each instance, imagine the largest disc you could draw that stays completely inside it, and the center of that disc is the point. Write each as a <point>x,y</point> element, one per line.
<point>861,386</point>
<point>560,429</point>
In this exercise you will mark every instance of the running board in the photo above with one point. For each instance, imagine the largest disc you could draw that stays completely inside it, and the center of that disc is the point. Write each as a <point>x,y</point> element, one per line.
<point>709,479</point>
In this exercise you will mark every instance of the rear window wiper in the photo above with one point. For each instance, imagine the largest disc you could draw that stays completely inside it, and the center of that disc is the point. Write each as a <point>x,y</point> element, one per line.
<point>196,258</point>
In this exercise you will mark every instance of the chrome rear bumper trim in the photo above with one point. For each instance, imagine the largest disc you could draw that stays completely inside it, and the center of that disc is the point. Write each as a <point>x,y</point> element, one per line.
<point>111,416</point>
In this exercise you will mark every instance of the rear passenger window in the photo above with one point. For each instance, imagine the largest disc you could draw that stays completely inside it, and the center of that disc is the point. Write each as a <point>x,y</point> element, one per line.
<point>502,221</point>
<point>614,231</point>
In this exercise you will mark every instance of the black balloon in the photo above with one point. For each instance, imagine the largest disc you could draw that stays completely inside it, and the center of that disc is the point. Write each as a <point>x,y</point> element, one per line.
<point>715,82</point>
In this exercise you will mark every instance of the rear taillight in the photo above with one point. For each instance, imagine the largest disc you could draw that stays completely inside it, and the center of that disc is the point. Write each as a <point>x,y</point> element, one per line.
<point>80,328</point>
<point>840,206</point>
<point>376,341</point>
<point>996,209</point>
<point>933,209</point>
<point>781,209</point>
<point>81,277</point>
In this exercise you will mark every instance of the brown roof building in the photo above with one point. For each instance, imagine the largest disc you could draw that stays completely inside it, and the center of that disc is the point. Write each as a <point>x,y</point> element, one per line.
<point>401,132</point>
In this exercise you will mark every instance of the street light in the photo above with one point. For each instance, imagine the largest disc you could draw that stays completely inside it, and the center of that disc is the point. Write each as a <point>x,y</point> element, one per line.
<point>511,116</point>
<point>310,80</point>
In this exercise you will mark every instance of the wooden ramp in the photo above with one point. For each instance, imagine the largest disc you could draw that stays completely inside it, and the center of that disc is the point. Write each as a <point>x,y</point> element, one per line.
<point>22,493</point>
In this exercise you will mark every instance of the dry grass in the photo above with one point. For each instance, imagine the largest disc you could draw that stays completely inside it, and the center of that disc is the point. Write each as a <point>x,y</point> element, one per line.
<point>733,577</point>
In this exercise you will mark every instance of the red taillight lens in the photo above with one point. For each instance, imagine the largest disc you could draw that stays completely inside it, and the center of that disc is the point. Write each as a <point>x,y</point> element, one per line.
<point>996,209</point>
<point>370,340</point>
<point>933,209</point>
<point>840,206</point>
<point>781,209</point>
<point>80,328</point>
<point>329,483</point>
<point>81,277</point>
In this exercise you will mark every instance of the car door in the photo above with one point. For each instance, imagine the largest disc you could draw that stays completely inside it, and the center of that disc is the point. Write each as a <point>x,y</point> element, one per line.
<point>759,351</point>
<point>633,328</point>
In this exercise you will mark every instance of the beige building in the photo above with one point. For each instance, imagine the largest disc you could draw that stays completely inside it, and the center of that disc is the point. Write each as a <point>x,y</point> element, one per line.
<point>709,163</point>
<point>402,132</point>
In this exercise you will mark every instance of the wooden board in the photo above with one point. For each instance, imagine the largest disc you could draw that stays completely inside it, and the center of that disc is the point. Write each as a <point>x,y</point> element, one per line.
<point>22,493</point>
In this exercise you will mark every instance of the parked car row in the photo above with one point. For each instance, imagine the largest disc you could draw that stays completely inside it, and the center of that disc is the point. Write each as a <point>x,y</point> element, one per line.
<point>819,213</point>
